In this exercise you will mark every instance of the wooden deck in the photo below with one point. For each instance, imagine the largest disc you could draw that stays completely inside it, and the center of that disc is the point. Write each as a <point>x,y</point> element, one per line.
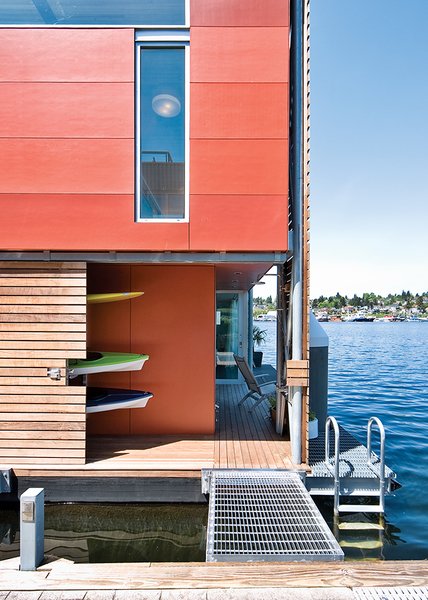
<point>243,439</point>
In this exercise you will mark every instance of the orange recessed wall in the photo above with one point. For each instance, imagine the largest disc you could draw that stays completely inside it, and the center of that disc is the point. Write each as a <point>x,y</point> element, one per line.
<point>174,323</point>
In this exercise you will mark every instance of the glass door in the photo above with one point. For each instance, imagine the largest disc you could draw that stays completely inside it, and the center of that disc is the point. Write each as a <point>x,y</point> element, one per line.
<point>229,335</point>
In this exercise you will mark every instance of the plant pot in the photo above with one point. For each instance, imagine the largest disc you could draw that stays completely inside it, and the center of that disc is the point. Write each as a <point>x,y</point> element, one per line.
<point>313,429</point>
<point>257,358</point>
<point>273,415</point>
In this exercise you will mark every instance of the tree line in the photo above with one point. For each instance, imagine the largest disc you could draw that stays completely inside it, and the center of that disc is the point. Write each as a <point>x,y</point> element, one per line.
<point>372,300</point>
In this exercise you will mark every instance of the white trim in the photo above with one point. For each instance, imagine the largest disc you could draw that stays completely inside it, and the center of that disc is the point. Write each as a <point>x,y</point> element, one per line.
<point>88,26</point>
<point>173,34</point>
<point>187,12</point>
<point>182,43</point>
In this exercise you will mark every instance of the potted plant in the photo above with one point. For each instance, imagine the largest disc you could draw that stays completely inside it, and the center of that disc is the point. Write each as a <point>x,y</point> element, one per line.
<point>272,407</point>
<point>259,336</point>
<point>313,425</point>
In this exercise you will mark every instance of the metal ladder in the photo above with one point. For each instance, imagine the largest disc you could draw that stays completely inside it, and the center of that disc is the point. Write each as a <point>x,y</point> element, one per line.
<point>331,423</point>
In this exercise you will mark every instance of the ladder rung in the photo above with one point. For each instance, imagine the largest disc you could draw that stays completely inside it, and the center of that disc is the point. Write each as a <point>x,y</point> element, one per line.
<point>363,508</point>
<point>360,526</point>
<point>363,544</point>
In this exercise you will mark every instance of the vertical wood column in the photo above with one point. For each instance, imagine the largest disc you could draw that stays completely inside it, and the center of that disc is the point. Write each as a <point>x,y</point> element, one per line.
<point>42,324</point>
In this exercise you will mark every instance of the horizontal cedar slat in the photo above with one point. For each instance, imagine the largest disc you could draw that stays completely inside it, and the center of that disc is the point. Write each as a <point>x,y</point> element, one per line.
<point>39,398</point>
<point>41,345</point>
<point>297,364</point>
<point>41,291</point>
<point>45,280</point>
<point>40,309</point>
<point>21,275</point>
<point>31,407</point>
<point>41,435</point>
<point>25,380</point>
<point>43,426</point>
<point>36,460</point>
<point>43,318</point>
<point>42,336</point>
<point>23,371</point>
<point>31,300</point>
<point>44,354</point>
<point>50,453</point>
<point>10,417</point>
<point>32,362</point>
<point>40,443</point>
<point>33,266</point>
<point>72,390</point>
<point>45,327</point>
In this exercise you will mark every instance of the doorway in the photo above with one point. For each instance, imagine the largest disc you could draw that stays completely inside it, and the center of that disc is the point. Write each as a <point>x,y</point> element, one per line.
<point>231,324</point>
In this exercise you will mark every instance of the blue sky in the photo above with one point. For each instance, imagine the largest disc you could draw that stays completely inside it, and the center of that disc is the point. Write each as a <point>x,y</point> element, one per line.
<point>369,147</point>
<point>369,137</point>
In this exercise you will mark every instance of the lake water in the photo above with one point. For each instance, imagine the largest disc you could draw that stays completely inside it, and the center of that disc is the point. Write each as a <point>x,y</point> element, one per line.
<point>381,369</point>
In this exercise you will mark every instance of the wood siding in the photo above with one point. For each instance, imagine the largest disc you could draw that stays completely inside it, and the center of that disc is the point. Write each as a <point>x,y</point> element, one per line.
<point>42,324</point>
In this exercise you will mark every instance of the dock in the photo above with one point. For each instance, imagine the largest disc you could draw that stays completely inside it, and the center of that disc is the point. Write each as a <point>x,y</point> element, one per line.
<point>203,581</point>
<point>164,468</point>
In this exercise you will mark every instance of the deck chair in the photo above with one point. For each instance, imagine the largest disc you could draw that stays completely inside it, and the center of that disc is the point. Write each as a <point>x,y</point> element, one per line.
<point>257,391</point>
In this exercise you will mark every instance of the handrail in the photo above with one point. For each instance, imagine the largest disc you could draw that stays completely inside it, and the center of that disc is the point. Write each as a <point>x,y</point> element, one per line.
<point>331,422</point>
<point>381,428</point>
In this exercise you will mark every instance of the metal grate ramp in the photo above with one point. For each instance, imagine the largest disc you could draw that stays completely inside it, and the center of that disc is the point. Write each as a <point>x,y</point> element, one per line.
<point>265,515</point>
<point>397,593</point>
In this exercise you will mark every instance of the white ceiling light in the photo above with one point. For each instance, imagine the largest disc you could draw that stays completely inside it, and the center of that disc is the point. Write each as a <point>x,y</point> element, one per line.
<point>166,105</point>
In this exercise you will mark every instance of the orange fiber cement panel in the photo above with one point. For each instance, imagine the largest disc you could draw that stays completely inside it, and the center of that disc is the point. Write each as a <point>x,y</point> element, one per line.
<point>229,13</point>
<point>239,54</point>
<point>49,166</point>
<point>82,222</point>
<point>67,54</point>
<point>256,223</point>
<point>239,110</point>
<point>173,322</point>
<point>87,110</point>
<point>258,167</point>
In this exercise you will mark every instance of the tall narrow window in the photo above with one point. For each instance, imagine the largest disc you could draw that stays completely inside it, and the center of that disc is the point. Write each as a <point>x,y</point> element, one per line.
<point>162,148</point>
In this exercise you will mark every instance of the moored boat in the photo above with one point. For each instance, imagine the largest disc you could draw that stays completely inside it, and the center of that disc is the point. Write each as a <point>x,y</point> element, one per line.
<point>103,362</point>
<point>104,399</point>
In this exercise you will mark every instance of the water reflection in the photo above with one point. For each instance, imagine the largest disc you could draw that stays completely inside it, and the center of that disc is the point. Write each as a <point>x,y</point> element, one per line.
<point>116,533</point>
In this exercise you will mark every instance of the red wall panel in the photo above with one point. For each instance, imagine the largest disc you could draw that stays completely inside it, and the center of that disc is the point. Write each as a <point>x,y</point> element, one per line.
<point>238,222</point>
<point>67,55</point>
<point>239,110</point>
<point>82,222</point>
<point>67,110</point>
<point>239,54</point>
<point>175,326</point>
<point>239,12</point>
<point>80,166</point>
<point>239,167</point>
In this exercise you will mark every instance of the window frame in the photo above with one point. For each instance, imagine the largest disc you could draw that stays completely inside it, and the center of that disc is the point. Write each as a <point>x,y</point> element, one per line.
<point>162,38</point>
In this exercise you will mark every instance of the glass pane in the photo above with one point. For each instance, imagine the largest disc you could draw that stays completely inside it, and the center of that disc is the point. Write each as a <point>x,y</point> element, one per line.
<point>92,12</point>
<point>227,335</point>
<point>162,133</point>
